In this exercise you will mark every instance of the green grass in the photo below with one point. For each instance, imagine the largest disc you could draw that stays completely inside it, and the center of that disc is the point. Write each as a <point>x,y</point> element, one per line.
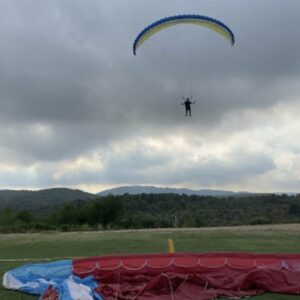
<point>68,245</point>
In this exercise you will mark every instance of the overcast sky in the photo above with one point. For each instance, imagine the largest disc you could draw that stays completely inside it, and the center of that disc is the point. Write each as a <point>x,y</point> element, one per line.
<point>79,110</point>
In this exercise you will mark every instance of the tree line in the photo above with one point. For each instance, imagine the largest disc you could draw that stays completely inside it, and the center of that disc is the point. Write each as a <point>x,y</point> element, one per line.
<point>156,211</point>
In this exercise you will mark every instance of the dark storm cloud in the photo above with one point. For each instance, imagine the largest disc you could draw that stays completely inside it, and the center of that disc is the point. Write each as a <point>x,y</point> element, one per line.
<point>69,61</point>
<point>70,85</point>
<point>44,69</point>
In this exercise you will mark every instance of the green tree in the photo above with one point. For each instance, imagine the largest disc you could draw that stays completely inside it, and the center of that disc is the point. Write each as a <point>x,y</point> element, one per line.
<point>105,211</point>
<point>25,216</point>
<point>7,217</point>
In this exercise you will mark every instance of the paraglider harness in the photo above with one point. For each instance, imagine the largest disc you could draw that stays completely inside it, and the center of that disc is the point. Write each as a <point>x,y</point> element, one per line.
<point>187,103</point>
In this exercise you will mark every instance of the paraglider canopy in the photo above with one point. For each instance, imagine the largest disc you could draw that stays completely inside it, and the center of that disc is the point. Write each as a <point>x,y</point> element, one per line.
<point>164,23</point>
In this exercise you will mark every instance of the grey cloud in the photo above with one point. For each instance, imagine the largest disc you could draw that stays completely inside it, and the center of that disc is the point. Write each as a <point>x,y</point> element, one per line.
<point>151,167</point>
<point>218,172</point>
<point>68,66</point>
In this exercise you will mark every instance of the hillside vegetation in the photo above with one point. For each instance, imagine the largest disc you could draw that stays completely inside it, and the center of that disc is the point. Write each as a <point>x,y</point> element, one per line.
<point>40,201</point>
<point>155,211</point>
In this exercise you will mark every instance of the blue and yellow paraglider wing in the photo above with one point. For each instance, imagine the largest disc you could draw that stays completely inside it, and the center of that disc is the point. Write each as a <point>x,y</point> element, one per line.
<point>159,25</point>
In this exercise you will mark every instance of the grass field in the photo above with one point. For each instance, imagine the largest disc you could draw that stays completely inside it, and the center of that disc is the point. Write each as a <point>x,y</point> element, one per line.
<point>39,246</point>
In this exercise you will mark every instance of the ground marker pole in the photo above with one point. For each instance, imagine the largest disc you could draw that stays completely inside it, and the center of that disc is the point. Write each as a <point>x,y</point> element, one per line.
<point>171,246</point>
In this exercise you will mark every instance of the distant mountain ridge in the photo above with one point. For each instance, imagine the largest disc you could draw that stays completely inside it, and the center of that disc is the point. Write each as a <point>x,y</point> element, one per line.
<point>140,189</point>
<point>40,199</point>
<point>47,200</point>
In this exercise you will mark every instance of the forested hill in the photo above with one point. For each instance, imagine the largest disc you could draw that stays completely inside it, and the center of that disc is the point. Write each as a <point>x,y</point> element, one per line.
<point>147,211</point>
<point>46,200</point>
<point>41,199</point>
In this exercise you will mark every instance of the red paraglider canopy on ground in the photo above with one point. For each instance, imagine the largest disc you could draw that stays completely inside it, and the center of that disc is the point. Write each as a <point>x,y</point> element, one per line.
<point>190,276</point>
